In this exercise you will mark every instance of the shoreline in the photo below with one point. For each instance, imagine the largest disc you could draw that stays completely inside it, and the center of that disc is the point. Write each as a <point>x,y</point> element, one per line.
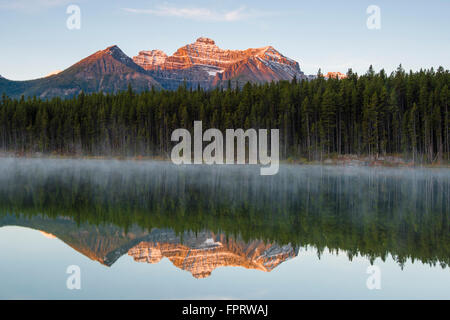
<point>389,161</point>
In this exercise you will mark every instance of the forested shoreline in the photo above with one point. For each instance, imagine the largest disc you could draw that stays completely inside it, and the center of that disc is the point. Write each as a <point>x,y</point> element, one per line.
<point>404,114</point>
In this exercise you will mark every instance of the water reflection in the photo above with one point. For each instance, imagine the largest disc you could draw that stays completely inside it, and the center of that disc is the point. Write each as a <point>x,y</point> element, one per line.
<point>203,217</point>
<point>198,253</point>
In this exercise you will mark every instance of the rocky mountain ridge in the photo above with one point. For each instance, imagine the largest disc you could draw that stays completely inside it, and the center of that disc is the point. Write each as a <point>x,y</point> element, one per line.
<point>204,63</point>
<point>206,252</point>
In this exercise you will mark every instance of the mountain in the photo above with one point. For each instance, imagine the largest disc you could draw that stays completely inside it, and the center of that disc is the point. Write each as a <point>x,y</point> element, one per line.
<point>203,253</point>
<point>106,70</point>
<point>337,75</point>
<point>53,73</point>
<point>204,63</point>
<point>198,253</point>
<point>201,63</point>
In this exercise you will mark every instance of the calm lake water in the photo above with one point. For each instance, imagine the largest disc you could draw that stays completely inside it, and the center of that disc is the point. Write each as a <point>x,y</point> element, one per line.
<point>153,230</point>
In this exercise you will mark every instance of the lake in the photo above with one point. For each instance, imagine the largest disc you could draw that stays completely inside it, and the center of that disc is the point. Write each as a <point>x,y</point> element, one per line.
<point>154,230</point>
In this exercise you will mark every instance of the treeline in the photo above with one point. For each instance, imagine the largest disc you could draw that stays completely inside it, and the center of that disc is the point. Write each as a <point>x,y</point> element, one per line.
<point>373,114</point>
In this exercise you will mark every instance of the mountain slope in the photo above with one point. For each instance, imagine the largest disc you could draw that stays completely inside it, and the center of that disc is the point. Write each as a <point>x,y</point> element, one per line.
<point>106,70</point>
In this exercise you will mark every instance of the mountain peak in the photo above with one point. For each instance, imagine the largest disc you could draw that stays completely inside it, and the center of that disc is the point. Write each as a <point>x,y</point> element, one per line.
<point>205,40</point>
<point>113,47</point>
<point>114,51</point>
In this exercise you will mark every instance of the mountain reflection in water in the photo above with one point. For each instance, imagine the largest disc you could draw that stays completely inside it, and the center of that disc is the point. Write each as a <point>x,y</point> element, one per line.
<point>205,217</point>
<point>199,253</point>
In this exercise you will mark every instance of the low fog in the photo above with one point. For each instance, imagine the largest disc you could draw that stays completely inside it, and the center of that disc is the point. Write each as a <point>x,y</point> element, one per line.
<point>235,182</point>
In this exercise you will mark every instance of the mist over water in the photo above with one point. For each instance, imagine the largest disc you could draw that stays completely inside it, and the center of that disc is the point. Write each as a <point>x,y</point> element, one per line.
<point>369,211</point>
<point>291,180</point>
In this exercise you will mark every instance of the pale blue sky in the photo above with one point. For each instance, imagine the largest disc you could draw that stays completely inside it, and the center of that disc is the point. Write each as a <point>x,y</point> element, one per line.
<point>331,35</point>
